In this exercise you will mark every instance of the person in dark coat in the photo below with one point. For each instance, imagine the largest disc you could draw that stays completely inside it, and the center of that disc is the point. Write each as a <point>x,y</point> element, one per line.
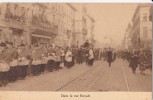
<point>134,62</point>
<point>142,62</point>
<point>109,56</point>
<point>6,56</point>
<point>80,56</point>
<point>12,75</point>
<point>23,59</point>
<point>36,62</point>
<point>51,58</point>
<point>57,58</point>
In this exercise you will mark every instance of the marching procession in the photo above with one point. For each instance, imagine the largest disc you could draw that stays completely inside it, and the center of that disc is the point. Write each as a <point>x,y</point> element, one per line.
<point>18,62</point>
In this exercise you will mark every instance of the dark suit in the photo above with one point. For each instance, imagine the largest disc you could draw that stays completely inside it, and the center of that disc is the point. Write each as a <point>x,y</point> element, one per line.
<point>109,57</point>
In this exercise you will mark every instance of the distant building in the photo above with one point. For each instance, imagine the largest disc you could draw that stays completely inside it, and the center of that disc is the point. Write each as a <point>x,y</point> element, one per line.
<point>142,27</point>
<point>128,37</point>
<point>90,29</point>
<point>26,23</point>
<point>84,25</point>
<point>64,18</point>
<point>45,23</point>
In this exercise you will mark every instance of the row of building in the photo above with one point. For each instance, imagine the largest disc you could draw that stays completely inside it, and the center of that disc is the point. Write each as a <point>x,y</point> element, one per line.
<point>139,33</point>
<point>62,24</point>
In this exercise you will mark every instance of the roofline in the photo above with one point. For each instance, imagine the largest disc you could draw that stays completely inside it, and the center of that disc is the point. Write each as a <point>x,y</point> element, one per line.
<point>70,5</point>
<point>139,6</point>
<point>91,18</point>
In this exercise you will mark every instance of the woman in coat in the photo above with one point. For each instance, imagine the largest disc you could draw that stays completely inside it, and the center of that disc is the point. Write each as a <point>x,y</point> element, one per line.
<point>134,62</point>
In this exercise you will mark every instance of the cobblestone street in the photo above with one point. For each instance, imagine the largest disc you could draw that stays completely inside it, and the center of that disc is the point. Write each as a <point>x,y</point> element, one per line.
<point>100,77</point>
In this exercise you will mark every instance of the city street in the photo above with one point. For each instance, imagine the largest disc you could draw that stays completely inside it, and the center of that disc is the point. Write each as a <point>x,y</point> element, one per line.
<point>100,77</point>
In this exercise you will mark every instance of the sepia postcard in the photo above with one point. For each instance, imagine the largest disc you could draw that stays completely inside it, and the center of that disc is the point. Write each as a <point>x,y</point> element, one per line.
<point>75,50</point>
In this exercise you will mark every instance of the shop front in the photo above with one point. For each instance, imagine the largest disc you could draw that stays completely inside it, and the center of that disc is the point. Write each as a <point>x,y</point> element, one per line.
<point>13,31</point>
<point>44,37</point>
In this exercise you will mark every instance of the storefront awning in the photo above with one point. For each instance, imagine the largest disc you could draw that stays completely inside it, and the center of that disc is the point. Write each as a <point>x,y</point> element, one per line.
<point>40,32</point>
<point>44,31</point>
<point>41,36</point>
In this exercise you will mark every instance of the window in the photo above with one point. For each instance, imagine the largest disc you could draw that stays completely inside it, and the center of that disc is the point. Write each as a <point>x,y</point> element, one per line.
<point>145,32</point>
<point>144,17</point>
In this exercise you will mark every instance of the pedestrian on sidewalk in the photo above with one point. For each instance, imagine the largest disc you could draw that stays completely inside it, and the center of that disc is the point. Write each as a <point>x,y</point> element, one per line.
<point>134,62</point>
<point>109,56</point>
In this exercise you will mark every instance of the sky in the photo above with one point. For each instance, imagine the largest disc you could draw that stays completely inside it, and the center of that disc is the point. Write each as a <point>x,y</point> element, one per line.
<point>111,19</point>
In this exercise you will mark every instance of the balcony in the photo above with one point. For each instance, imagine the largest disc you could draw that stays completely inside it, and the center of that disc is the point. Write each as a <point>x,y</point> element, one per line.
<point>14,21</point>
<point>41,23</point>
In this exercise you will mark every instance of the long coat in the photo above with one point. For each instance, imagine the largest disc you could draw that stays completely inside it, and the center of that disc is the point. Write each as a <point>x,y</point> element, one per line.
<point>134,61</point>
<point>142,60</point>
<point>109,56</point>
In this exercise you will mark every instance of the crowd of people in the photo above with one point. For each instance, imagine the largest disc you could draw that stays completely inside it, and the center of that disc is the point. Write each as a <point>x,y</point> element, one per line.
<point>140,58</point>
<point>18,62</point>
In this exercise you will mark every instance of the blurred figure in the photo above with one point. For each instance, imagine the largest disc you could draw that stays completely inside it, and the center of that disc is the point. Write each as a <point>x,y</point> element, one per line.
<point>91,57</point>
<point>68,58</point>
<point>142,60</point>
<point>109,56</point>
<point>134,61</point>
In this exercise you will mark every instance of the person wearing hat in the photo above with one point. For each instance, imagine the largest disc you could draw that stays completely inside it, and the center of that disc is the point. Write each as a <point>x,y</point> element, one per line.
<point>109,56</point>
<point>134,61</point>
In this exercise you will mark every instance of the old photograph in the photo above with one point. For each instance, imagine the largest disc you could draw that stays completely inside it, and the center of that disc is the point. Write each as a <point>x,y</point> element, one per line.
<point>76,47</point>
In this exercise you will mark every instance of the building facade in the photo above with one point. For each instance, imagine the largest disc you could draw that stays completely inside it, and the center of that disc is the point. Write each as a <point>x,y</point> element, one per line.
<point>84,25</point>
<point>64,18</point>
<point>44,23</point>
<point>27,24</point>
<point>90,29</point>
<point>128,37</point>
<point>142,27</point>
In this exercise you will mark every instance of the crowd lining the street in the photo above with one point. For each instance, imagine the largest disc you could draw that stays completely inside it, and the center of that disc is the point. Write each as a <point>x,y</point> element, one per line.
<point>18,62</point>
